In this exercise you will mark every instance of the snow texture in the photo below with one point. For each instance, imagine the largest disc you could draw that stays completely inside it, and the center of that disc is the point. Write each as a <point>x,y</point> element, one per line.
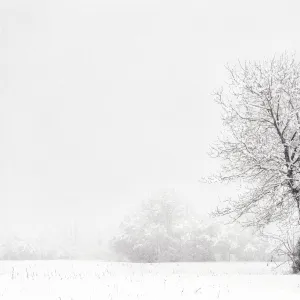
<point>65,280</point>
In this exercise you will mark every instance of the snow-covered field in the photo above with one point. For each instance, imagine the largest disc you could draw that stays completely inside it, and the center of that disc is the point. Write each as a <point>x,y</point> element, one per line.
<point>66,280</point>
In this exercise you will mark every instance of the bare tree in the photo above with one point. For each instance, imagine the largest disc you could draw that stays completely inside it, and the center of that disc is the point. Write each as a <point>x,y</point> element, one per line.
<point>261,143</point>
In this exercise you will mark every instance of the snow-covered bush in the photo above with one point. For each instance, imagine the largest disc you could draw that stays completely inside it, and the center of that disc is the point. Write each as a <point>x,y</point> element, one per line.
<point>163,231</point>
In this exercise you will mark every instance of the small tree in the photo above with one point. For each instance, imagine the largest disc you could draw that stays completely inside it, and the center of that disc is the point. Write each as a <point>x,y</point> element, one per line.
<point>286,244</point>
<point>162,231</point>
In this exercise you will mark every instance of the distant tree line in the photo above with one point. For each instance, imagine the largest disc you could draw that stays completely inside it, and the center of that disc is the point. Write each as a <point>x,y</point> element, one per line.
<point>163,230</point>
<point>52,247</point>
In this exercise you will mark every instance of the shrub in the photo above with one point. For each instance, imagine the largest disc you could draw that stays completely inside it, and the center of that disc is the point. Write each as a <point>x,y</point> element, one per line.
<point>296,260</point>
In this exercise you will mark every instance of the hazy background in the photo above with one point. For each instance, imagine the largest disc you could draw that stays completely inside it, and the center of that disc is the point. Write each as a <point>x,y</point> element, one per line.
<point>103,103</point>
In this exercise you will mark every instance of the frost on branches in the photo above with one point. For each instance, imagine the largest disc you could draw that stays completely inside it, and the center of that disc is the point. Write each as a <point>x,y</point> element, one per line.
<point>261,143</point>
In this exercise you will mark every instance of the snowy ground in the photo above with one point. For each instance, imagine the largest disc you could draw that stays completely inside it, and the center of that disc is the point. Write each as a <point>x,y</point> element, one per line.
<point>66,280</point>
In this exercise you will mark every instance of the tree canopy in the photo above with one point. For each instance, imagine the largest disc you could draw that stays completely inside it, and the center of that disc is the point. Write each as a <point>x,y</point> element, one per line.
<point>260,143</point>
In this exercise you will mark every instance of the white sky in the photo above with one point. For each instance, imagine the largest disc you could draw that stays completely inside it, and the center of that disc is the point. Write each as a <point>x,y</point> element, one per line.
<point>105,102</point>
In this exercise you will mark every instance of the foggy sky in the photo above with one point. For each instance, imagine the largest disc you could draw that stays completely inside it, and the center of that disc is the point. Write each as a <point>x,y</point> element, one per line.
<point>105,102</point>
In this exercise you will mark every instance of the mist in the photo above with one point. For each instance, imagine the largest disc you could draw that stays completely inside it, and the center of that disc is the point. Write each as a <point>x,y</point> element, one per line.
<point>105,103</point>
